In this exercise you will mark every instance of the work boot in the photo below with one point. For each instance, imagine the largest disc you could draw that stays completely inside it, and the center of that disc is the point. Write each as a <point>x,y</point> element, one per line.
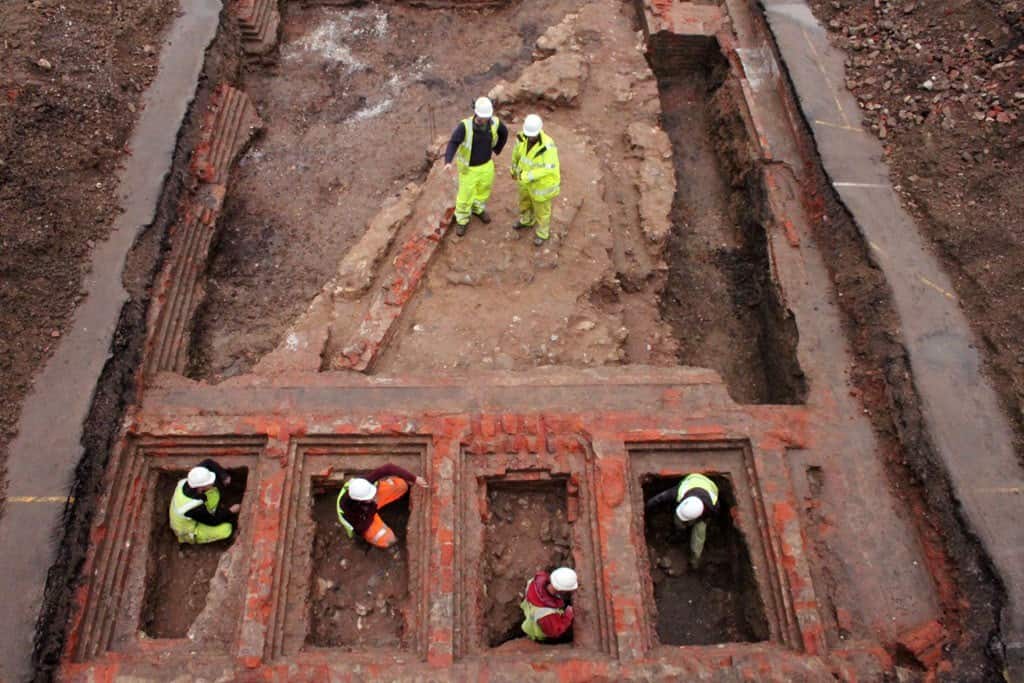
<point>539,241</point>
<point>460,229</point>
<point>484,217</point>
<point>520,226</point>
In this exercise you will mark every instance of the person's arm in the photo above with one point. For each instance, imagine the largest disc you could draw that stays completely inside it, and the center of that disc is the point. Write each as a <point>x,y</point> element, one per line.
<point>514,168</point>
<point>390,470</point>
<point>458,135</point>
<point>502,138</point>
<point>555,625</point>
<point>204,516</point>
<point>662,498</point>
<point>548,168</point>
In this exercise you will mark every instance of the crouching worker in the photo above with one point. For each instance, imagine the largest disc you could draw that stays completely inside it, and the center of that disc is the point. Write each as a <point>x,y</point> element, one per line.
<point>547,614</point>
<point>360,499</point>
<point>196,515</point>
<point>696,500</point>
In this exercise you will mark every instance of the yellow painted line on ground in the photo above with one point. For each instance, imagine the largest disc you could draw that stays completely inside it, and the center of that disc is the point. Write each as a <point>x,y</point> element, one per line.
<point>934,286</point>
<point>41,499</point>
<point>839,126</point>
<point>824,74</point>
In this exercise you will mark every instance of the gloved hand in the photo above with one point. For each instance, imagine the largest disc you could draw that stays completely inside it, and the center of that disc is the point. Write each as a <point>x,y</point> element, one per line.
<point>569,612</point>
<point>514,172</point>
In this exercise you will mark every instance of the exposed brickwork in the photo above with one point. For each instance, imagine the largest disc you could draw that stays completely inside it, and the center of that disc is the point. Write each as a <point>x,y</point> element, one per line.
<point>225,130</point>
<point>259,21</point>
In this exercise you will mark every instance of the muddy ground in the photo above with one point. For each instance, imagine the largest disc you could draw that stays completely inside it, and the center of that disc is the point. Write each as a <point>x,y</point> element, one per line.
<point>359,594</point>
<point>527,531</point>
<point>942,84</point>
<point>715,602</point>
<point>179,575</point>
<point>71,79</point>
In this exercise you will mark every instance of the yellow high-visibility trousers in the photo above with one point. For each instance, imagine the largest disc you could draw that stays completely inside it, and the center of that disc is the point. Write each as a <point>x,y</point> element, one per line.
<point>475,183</point>
<point>535,213</point>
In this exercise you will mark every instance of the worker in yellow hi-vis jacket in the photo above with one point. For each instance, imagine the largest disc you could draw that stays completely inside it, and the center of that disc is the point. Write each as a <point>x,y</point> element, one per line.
<point>470,146</point>
<point>535,167</point>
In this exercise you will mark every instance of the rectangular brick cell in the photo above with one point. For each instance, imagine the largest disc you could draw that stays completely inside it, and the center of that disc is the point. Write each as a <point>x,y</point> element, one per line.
<point>333,593</point>
<point>141,580</point>
<point>522,513</point>
<point>737,593</point>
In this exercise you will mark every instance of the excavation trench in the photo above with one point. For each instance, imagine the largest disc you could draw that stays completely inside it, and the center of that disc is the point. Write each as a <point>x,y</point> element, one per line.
<point>714,601</point>
<point>365,85</point>
<point>527,531</point>
<point>719,299</point>
<point>178,575</point>
<point>359,594</point>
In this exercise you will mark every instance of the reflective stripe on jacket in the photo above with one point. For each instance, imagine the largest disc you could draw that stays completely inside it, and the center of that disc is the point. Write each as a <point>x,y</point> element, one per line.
<point>341,518</point>
<point>185,527</point>
<point>538,168</point>
<point>466,148</point>
<point>534,613</point>
<point>697,481</point>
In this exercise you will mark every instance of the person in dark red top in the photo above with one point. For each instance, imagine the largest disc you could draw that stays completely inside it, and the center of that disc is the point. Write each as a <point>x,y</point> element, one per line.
<point>361,497</point>
<point>547,614</point>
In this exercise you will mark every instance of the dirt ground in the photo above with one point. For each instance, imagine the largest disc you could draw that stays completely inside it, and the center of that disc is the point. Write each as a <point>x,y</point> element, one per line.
<point>179,575</point>
<point>356,84</point>
<point>71,78</point>
<point>527,531</point>
<point>717,602</point>
<point>360,594</point>
<point>942,84</point>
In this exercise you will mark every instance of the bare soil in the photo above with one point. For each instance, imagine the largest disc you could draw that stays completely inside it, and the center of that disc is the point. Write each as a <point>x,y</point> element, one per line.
<point>526,531</point>
<point>718,602</point>
<point>178,575</point>
<point>359,595</point>
<point>64,123</point>
<point>943,85</point>
<point>351,106</point>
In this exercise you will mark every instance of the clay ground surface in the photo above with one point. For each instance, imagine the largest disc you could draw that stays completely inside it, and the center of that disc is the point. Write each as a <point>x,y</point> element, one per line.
<point>71,79</point>
<point>351,107</point>
<point>715,601</point>
<point>359,594</point>
<point>526,532</point>
<point>942,84</point>
<point>179,575</point>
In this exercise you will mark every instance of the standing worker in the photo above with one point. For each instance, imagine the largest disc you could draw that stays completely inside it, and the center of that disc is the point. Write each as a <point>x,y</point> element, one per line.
<point>535,167</point>
<point>195,512</point>
<point>470,145</point>
<point>360,499</point>
<point>696,500</point>
<point>547,614</point>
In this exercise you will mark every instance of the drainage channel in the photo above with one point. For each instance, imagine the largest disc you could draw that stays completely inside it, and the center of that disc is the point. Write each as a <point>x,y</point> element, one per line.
<point>317,320</point>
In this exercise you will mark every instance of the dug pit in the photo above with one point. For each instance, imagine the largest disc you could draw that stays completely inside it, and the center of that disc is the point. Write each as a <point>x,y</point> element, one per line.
<point>178,575</point>
<point>526,531</point>
<point>359,594</point>
<point>718,602</point>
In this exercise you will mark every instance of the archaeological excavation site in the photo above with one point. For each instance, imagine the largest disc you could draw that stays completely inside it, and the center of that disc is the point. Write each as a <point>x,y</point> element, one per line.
<point>730,288</point>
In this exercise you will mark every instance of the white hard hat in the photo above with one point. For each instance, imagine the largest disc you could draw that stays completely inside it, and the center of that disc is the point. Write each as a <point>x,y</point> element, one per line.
<point>564,579</point>
<point>690,509</point>
<point>483,108</point>
<point>360,489</point>
<point>532,126</point>
<point>200,476</point>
